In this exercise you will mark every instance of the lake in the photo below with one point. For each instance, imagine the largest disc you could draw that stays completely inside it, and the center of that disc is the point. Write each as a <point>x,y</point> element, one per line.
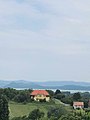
<point>71,91</point>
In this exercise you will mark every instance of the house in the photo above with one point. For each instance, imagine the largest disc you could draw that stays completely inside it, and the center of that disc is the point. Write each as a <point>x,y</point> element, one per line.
<point>39,95</point>
<point>78,105</point>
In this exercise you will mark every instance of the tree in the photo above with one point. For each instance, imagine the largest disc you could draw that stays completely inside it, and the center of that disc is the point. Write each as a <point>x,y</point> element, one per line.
<point>57,92</point>
<point>59,96</point>
<point>76,96</point>
<point>55,112</point>
<point>35,115</point>
<point>51,93</point>
<point>23,96</point>
<point>70,117</point>
<point>4,112</point>
<point>67,100</point>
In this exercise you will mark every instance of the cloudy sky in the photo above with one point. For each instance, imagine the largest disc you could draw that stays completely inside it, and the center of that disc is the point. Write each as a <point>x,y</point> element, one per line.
<point>45,40</point>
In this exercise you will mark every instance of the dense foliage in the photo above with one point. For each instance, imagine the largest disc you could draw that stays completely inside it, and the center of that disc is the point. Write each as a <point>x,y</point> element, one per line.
<point>56,113</point>
<point>16,95</point>
<point>69,98</point>
<point>4,112</point>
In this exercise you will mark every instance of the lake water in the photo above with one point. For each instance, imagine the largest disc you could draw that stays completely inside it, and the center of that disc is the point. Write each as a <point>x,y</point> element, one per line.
<point>71,91</point>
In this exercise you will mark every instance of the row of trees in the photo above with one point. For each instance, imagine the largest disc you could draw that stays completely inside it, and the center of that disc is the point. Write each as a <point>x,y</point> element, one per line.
<point>24,96</point>
<point>16,95</point>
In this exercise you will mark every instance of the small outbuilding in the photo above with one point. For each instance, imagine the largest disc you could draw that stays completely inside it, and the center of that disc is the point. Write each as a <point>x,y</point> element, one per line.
<point>78,105</point>
<point>40,95</point>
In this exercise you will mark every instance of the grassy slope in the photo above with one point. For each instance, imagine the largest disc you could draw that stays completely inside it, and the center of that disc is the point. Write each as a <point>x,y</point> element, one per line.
<point>17,109</point>
<point>21,109</point>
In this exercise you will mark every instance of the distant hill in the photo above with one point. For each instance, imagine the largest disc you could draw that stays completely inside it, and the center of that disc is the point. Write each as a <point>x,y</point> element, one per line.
<point>63,85</point>
<point>71,87</point>
<point>3,83</point>
<point>23,84</point>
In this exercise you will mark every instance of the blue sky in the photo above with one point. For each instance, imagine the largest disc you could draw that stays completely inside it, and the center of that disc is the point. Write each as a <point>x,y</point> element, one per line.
<point>42,40</point>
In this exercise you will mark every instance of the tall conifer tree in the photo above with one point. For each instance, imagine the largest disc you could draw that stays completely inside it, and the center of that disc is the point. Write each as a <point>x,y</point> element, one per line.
<point>4,112</point>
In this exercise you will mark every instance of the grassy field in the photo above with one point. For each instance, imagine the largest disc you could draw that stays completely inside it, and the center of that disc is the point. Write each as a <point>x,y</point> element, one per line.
<point>18,109</point>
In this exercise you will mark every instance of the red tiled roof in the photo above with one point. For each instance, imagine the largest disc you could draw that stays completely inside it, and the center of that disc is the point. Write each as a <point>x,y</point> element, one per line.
<point>78,104</point>
<point>39,92</point>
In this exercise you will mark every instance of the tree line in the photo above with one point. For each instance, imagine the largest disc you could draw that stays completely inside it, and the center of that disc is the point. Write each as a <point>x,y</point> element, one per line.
<point>23,96</point>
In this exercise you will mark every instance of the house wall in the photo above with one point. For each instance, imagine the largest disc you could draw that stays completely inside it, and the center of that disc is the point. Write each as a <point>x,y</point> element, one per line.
<point>81,107</point>
<point>41,97</point>
<point>47,99</point>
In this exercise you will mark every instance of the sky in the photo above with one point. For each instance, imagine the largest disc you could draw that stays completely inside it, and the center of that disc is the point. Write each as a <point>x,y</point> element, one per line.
<point>45,40</point>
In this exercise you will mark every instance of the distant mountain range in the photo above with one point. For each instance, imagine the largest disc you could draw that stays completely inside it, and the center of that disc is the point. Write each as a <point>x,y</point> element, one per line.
<point>63,85</point>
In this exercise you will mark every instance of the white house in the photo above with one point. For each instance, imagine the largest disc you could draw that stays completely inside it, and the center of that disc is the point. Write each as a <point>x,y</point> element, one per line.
<point>78,105</point>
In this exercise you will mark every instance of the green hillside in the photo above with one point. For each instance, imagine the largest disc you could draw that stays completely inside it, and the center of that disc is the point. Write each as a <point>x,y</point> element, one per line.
<point>18,109</point>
